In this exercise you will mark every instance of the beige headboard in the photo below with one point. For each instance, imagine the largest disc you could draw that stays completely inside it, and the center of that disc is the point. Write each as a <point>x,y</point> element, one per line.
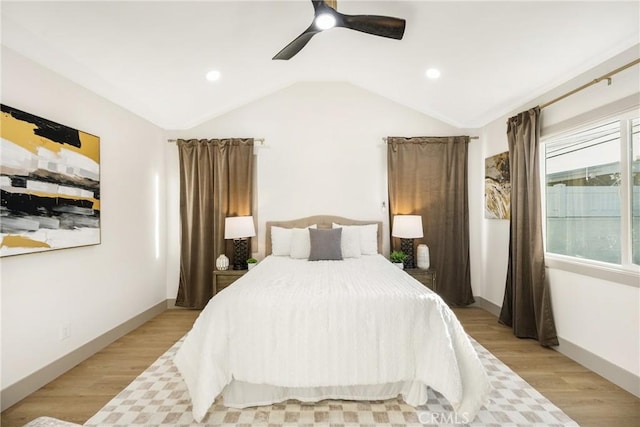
<point>323,221</point>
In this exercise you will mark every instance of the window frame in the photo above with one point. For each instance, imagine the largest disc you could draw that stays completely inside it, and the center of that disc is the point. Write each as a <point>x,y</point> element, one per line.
<point>626,272</point>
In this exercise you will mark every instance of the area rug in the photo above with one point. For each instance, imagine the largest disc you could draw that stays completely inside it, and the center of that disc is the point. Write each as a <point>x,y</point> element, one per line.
<point>159,397</point>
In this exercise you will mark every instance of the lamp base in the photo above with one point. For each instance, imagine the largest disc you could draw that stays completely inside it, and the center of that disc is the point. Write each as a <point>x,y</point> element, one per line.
<point>240,250</point>
<point>406,246</point>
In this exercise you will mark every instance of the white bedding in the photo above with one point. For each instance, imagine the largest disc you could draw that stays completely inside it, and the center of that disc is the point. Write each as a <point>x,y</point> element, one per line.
<point>328,325</point>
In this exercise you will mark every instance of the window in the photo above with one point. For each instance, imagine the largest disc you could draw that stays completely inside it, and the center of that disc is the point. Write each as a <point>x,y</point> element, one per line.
<point>592,192</point>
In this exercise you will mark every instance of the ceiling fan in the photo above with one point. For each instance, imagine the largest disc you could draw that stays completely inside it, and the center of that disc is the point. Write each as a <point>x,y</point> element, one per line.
<point>326,17</point>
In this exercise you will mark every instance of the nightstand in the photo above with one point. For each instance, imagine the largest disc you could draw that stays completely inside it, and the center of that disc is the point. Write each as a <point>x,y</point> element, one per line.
<point>426,277</point>
<point>224,278</point>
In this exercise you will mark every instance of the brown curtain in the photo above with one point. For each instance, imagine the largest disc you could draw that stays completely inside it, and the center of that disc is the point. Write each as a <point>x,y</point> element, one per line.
<point>428,177</point>
<point>527,303</point>
<point>215,182</point>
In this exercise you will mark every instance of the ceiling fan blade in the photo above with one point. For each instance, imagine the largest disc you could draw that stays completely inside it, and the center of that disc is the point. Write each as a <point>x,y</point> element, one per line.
<point>297,44</point>
<point>383,26</point>
<point>317,4</point>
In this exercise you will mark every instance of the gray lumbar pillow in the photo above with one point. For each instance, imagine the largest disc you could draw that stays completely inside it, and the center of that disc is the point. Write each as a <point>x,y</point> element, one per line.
<point>325,244</point>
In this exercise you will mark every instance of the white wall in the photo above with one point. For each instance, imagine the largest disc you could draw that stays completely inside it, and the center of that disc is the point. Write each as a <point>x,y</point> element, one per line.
<point>325,154</point>
<point>599,316</point>
<point>96,288</point>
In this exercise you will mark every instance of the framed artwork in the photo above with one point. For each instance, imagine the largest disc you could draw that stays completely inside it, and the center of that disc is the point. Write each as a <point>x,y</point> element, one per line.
<point>497,187</point>
<point>49,184</point>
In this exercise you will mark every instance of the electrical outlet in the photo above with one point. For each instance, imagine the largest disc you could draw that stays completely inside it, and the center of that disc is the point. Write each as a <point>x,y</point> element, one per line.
<point>65,331</point>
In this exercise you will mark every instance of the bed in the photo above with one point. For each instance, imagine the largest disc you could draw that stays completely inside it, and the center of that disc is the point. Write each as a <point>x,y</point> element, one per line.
<point>356,329</point>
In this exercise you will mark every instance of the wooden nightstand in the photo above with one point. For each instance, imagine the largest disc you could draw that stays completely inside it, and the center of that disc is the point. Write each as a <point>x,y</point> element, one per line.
<point>224,278</point>
<point>426,277</point>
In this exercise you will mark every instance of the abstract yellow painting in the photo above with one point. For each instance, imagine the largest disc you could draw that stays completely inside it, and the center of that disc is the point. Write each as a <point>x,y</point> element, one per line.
<point>49,184</point>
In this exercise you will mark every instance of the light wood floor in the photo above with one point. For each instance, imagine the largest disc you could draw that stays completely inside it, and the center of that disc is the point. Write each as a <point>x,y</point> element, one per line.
<point>78,394</point>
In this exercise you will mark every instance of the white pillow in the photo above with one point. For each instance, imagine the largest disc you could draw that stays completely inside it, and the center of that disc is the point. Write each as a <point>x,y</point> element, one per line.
<point>368,237</point>
<point>350,243</point>
<point>300,243</point>
<point>280,241</point>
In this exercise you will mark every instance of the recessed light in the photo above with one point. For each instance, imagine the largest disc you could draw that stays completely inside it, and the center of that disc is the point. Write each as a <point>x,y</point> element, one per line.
<point>213,75</point>
<point>433,73</point>
<point>325,21</point>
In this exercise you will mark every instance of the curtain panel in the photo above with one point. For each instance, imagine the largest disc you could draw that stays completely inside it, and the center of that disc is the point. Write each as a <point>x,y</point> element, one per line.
<point>215,182</point>
<point>527,300</point>
<point>428,177</point>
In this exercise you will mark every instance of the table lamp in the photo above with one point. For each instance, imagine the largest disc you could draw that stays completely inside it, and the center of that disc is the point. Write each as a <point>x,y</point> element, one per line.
<point>407,228</point>
<point>239,228</point>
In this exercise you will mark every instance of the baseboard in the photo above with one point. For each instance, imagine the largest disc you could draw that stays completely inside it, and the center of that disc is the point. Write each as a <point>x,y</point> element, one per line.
<point>611,372</point>
<point>614,373</point>
<point>486,305</point>
<point>18,391</point>
<point>171,304</point>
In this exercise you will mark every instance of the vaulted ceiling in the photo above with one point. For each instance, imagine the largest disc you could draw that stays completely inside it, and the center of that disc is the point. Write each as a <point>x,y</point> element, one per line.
<point>151,57</point>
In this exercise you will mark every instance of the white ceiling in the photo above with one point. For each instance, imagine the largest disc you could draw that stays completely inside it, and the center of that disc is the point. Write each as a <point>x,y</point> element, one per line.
<point>151,57</point>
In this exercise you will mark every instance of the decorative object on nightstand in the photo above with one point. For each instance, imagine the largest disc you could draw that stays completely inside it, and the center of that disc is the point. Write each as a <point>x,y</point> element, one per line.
<point>422,257</point>
<point>222,263</point>
<point>407,228</point>
<point>239,228</point>
<point>397,258</point>
<point>251,262</point>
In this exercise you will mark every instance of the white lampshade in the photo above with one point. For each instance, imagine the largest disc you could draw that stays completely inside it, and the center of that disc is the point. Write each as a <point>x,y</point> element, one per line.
<point>239,227</point>
<point>407,226</point>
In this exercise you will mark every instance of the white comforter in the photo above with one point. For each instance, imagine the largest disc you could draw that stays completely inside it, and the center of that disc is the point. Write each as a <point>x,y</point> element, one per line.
<point>297,323</point>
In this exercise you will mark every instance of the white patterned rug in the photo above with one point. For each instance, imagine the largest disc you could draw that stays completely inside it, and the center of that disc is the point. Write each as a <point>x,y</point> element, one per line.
<point>159,397</point>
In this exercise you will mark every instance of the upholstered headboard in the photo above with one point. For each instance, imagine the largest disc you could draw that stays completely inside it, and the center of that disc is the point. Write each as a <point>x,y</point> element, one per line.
<point>323,221</point>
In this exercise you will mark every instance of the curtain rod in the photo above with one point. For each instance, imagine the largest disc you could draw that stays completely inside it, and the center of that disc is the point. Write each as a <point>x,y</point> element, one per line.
<point>591,83</point>
<point>260,140</point>
<point>471,137</point>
